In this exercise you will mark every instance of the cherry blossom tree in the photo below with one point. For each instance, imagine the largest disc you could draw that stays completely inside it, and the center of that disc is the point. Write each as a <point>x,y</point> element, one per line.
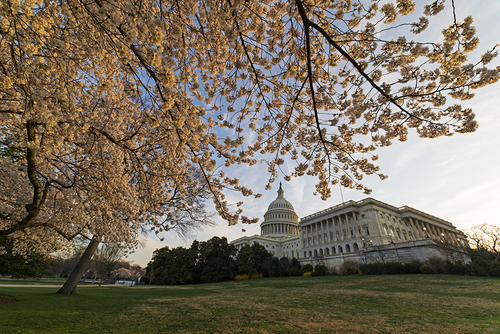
<point>110,108</point>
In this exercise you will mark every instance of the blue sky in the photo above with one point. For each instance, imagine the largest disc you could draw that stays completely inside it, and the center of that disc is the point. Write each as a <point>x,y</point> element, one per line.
<point>454,178</point>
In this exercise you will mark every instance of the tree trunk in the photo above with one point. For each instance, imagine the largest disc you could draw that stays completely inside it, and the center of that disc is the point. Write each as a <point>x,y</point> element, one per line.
<point>69,287</point>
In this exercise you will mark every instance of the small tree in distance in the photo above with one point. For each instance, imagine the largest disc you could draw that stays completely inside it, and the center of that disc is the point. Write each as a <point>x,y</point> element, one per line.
<point>485,236</point>
<point>107,258</point>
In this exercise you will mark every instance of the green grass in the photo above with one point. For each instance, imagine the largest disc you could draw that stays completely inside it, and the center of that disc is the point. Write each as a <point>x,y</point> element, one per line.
<point>353,304</point>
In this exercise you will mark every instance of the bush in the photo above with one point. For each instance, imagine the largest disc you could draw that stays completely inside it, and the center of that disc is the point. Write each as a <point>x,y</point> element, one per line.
<point>294,271</point>
<point>388,268</point>
<point>306,268</point>
<point>456,268</point>
<point>371,268</point>
<point>412,267</point>
<point>320,270</point>
<point>332,271</point>
<point>348,268</point>
<point>427,270</point>
<point>437,264</point>
<point>241,277</point>
<point>307,274</point>
<point>256,275</point>
<point>484,263</point>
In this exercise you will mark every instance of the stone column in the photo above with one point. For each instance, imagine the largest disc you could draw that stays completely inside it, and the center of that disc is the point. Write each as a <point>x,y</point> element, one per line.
<point>324,226</point>
<point>437,235</point>
<point>317,232</point>
<point>416,231</point>
<point>357,231</point>
<point>378,223</point>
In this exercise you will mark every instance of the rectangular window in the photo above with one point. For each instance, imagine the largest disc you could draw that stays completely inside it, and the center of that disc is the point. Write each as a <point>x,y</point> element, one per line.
<point>345,234</point>
<point>331,235</point>
<point>337,234</point>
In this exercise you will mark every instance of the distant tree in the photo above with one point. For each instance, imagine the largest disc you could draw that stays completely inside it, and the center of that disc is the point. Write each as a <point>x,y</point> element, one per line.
<point>275,267</point>
<point>107,258</point>
<point>252,259</point>
<point>485,250</point>
<point>131,273</point>
<point>172,266</point>
<point>203,262</point>
<point>245,261</point>
<point>31,264</point>
<point>215,261</point>
<point>485,236</point>
<point>260,254</point>
<point>284,266</point>
<point>295,267</point>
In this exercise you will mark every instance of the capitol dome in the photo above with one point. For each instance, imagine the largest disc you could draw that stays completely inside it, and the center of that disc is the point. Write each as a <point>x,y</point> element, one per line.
<point>280,219</point>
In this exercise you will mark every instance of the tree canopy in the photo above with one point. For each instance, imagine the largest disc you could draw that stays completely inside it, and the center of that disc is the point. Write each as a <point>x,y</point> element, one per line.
<point>204,262</point>
<point>119,114</point>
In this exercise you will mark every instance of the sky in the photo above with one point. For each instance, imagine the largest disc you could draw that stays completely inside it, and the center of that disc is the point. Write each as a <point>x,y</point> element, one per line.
<point>454,178</point>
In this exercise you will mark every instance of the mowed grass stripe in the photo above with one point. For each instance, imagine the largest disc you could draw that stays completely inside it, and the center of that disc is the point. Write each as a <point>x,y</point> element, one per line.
<point>353,304</point>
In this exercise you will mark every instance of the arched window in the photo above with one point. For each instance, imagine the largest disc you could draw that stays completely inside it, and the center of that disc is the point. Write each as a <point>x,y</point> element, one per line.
<point>355,247</point>
<point>333,250</point>
<point>327,251</point>
<point>347,248</point>
<point>310,253</point>
<point>321,251</point>
<point>315,253</point>
<point>305,254</point>
<point>340,249</point>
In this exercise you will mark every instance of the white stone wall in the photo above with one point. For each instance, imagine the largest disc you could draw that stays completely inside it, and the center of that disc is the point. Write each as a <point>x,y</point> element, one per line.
<point>362,231</point>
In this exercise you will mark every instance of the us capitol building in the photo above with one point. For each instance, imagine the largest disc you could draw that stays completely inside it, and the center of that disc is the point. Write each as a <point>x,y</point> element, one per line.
<point>361,231</point>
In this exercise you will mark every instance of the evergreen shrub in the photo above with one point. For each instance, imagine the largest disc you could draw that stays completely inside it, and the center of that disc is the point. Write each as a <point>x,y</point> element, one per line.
<point>306,268</point>
<point>427,270</point>
<point>320,270</point>
<point>456,268</point>
<point>348,268</point>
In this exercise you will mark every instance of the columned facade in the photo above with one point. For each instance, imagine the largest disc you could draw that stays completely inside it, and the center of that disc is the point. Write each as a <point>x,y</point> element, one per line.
<point>361,231</point>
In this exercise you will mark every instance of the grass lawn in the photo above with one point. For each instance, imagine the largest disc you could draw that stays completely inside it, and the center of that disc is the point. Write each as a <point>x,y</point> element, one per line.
<point>334,304</point>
